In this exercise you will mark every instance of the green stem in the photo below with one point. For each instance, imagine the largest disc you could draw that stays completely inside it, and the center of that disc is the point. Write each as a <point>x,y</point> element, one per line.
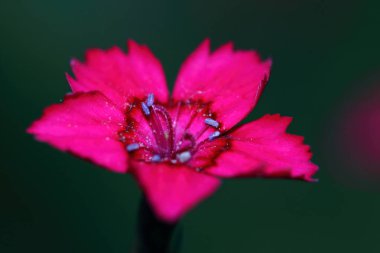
<point>154,235</point>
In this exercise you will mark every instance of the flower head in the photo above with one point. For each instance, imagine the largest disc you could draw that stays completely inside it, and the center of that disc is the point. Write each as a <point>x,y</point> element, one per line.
<point>120,116</point>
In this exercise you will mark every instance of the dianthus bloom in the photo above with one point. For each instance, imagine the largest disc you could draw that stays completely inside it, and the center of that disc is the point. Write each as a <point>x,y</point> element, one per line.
<point>121,117</point>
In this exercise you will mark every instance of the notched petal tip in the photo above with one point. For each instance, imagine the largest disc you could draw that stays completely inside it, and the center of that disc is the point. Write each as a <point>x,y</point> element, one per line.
<point>268,62</point>
<point>205,43</point>
<point>202,50</point>
<point>132,43</point>
<point>74,85</point>
<point>31,129</point>
<point>136,48</point>
<point>305,174</point>
<point>68,77</point>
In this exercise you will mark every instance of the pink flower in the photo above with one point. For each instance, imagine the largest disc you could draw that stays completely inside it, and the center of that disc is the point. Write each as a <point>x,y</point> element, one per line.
<point>120,116</point>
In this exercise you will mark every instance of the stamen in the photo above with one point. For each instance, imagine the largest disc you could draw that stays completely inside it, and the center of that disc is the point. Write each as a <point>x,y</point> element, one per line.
<point>158,131</point>
<point>212,122</point>
<point>150,100</point>
<point>214,135</point>
<point>184,156</point>
<point>165,143</point>
<point>132,147</point>
<point>177,115</point>
<point>156,158</point>
<point>145,109</point>
<point>168,133</point>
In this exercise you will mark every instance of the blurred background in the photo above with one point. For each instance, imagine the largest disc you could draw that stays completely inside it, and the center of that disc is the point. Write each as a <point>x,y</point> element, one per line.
<point>326,74</point>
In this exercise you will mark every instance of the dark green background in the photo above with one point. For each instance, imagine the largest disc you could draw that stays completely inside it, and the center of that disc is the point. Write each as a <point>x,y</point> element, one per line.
<point>322,50</point>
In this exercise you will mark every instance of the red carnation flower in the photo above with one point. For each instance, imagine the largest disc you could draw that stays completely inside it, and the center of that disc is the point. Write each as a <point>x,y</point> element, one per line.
<point>120,116</point>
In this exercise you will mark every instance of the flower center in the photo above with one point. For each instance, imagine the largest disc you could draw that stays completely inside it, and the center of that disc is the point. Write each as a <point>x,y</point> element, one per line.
<point>179,133</point>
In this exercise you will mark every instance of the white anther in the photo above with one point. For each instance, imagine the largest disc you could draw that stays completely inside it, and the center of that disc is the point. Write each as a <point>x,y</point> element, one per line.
<point>214,135</point>
<point>150,100</point>
<point>211,122</point>
<point>156,158</point>
<point>145,109</point>
<point>132,147</point>
<point>184,156</point>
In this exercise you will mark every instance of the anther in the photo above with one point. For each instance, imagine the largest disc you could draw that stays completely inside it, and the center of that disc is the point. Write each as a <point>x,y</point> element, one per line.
<point>212,122</point>
<point>150,100</point>
<point>184,156</point>
<point>214,135</point>
<point>156,158</point>
<point>145,109</point>
<point>132,147</point>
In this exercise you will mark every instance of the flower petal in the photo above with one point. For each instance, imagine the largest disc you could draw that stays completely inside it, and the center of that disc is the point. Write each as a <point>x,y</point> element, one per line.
<point>120,76</point>
<point>231,80</point>
<point>87,125</point>
<point>173,190</point>
<point>262,148</point>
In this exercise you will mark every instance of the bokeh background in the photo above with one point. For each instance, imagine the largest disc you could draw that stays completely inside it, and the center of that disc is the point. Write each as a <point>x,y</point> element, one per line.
<point>326,69</point>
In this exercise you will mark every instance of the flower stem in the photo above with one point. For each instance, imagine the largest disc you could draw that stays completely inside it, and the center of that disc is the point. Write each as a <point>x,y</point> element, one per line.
<point>153,235</point>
